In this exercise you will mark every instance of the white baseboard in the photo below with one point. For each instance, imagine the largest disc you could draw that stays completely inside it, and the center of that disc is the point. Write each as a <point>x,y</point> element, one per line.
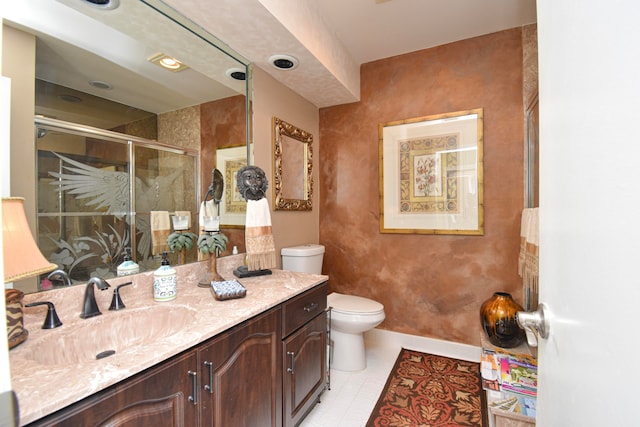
<point>381,337</point>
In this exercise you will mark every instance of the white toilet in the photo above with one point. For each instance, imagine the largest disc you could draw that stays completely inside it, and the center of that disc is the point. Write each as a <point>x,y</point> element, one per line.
<point>351,316</point>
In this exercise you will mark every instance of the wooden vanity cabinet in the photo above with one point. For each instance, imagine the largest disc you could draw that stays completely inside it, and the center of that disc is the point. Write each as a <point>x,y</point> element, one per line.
<point>237,378</point>
<point>304,353</point>
<point>241,375</point>
<point>159,396</point>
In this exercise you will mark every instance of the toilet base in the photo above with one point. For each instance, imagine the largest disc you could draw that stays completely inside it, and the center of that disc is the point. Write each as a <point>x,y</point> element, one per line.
<point>348,352</point>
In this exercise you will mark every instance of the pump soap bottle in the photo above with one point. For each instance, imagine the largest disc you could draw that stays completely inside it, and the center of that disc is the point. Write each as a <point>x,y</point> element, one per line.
<point>128,267</point>
<point>164,281</point>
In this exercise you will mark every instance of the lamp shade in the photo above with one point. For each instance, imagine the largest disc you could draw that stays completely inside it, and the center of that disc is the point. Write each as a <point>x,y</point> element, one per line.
<point>22,257</point>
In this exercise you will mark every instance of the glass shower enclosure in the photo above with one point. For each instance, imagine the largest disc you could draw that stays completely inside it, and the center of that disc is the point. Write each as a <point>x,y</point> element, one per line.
<point>96,191</point>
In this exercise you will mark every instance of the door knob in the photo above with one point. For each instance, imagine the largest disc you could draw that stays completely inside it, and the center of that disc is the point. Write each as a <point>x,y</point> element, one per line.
<point>534,324</point>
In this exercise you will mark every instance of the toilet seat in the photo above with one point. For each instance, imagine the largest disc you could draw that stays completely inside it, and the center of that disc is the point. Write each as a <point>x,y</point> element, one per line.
<point>351,304</point>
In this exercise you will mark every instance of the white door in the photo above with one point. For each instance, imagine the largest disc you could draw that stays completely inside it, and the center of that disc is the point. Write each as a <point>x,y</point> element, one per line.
<point>589,62</point>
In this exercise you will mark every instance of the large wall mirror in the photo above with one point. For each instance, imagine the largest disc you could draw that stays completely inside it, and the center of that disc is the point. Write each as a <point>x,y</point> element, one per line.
<point>104,109</point>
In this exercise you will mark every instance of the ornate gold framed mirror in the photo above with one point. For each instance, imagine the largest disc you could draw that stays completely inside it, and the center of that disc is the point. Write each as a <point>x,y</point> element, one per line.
<point>292,167</point>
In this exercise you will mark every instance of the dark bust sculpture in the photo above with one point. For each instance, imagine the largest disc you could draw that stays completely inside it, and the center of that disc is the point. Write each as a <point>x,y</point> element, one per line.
<point>252,182</point>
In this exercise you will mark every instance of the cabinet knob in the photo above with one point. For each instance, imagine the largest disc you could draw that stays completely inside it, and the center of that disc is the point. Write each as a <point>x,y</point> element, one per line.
<point>209,387</point>
<point>194,387</point>
<point>292,355</point>
<point>309,308</point>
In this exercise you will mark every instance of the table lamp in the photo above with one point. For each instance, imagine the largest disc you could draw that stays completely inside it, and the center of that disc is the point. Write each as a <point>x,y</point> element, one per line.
<point>22,259</point>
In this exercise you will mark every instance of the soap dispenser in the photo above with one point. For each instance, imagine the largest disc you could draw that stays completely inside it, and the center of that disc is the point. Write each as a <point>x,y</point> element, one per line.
<point>128,266</point>
<point>164,281</point>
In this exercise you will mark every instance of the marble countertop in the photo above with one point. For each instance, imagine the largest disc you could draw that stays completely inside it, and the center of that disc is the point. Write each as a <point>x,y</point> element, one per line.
<point>45,387</point>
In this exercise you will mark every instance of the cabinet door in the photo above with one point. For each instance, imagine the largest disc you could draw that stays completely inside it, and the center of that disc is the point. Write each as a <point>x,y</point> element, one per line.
<point>242,375</point>
<point>161,396</point>
<point>304,358</point>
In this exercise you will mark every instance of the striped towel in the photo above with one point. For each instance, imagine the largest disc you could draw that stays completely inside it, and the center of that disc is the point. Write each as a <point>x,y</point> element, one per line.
<point>528,257</point>
<point>160,230</point>
<point>260,246</point>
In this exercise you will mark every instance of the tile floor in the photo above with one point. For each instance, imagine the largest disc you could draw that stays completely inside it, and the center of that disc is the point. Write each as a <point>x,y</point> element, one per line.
<point>353,395</point>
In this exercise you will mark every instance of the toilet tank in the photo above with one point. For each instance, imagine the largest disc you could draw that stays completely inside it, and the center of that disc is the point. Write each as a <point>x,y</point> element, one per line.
<point>304,258</point>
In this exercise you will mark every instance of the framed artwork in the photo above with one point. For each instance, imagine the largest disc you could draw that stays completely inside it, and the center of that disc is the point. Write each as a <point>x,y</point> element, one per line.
<point>233,207</point>
<point>431,179</point>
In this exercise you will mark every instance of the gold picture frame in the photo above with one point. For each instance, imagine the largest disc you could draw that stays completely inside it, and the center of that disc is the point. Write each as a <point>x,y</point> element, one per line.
<point>233,207</point>
<point>431,174</point>
<point>292,167</point>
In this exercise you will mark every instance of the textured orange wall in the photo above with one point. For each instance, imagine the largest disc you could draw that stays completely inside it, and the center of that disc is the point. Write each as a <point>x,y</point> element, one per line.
<point>272,99</point>
<point>430,285</point>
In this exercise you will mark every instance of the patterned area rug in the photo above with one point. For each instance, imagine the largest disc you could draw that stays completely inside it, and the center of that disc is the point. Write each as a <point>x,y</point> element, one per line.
<point>426,390</point>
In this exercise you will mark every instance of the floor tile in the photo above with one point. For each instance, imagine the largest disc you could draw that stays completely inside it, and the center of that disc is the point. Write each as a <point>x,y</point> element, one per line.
<point>353,395</point>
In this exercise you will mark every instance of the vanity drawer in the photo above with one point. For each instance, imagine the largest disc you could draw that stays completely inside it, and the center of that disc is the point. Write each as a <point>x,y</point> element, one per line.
<point>301,309</point>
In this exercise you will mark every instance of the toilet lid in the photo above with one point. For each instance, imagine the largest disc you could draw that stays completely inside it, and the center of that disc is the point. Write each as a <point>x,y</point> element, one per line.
<point>353,304</point>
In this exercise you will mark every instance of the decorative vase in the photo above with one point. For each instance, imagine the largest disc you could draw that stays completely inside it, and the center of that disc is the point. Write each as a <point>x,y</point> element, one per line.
<point>498,317</point>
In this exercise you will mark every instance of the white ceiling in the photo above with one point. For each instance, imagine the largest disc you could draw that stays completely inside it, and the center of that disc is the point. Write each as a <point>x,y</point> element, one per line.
<point>332,38</point>
<point>376,29</point>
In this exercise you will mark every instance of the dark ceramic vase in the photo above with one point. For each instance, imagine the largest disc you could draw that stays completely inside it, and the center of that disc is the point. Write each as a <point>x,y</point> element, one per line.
<point>498,317</point>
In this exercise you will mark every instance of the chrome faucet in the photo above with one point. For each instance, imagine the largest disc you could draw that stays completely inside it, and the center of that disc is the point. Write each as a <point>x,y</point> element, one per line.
<point>90,307</point>
<point>60,275</point>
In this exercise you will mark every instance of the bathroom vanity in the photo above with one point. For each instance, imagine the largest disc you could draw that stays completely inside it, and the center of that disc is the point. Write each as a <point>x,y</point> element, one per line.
<point>258,360</point>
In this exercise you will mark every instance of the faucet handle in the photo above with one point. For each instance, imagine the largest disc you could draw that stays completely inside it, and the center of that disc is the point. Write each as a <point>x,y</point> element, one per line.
<point>116,301</point>
<point>52,320</point>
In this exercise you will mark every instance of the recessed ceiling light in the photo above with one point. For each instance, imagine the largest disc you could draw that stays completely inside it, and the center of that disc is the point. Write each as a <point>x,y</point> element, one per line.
<point>100,84</point>
<point>236,73</point>
<point>69,98</point>
<point>283,62</point>
<point>167,62</point>
<point>103,4</point>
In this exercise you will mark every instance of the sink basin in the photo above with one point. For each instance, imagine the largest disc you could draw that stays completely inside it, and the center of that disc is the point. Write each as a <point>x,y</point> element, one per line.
<point>108,333</point>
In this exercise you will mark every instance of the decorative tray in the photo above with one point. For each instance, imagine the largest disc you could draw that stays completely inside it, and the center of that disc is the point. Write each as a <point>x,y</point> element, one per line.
<point>228,289</point>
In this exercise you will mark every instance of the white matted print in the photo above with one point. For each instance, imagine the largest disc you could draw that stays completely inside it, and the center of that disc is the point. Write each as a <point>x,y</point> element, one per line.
<point>431,178</point>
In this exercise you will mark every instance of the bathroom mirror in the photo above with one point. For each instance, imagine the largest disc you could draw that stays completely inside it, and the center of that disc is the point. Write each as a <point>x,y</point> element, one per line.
<point>532,155</point>
<point>87,56</point>
<point>292,167</point>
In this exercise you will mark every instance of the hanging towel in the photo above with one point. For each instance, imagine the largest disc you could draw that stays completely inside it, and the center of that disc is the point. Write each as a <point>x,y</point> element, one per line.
<point>528,258</point>
<point>260,246</point>
<point>160,230</point>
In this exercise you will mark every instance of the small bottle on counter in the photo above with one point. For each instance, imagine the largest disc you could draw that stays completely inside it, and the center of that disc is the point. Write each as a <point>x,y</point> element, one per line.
<point>165,281</point>
<point>128,266</point>
<point>235,250</point>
